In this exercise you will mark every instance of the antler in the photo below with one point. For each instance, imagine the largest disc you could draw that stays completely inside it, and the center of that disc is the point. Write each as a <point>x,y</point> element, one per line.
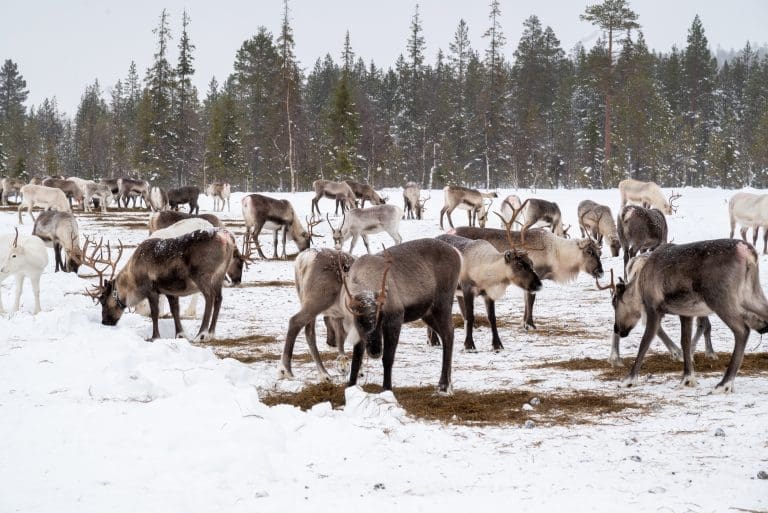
<point>508,224</point>
<point>611,285</point>
<point>311,223</point>
<point>93,260</point>
<point>351,301</point>
<point>16,239</point>
<point>329,222</point>
<point>382,297</point>
<point>672,198</point>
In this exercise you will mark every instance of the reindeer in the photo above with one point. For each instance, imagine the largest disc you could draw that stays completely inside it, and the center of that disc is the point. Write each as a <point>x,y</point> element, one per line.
<point>539,210</point>
<point>221,192</point>
<point>264,212</point>
<point>639,230</point>
<point>131,189</point>
<point>365,192</point>
<point>98,194</point>
<point>10,186</point>
<point>596,222</point>
<point>70,188</point>
<point>647,194</point>
<point>318,276</point>
<point>195,262</point>
<point>113,184</point>
<point>22,257</point>
<point>188,194</point>
<point>750,211</point>
<point>339,191</point>
<point>510,206</point>
<point>487,272</point>
<point>554,258</point>
<point>157,199</point>
<point>410,281</point>
<point>166,218</point>
<point>59,230</point>
<point>44,197</point>
<point>713,276</point>
<point>413,204</point>
<point>361,222</point>
<point>471,200</point>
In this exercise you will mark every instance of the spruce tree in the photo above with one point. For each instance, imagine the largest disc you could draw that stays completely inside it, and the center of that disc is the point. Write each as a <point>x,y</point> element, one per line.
<point>13,94</point>
<point>187,121</point>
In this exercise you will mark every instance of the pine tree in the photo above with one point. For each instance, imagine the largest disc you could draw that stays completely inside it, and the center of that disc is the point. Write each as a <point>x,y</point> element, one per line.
<point>92,133</point>
<point>343,120</point>
<point>187,121</point>
<point>458,59</point>
<point>13,94</point>
<point>290,81</point>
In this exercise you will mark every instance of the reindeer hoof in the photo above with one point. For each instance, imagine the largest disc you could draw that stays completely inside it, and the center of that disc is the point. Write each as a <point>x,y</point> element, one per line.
<point>711,356</point>
<point>676,355</point>
<point>628,382</point>
<point>527,326</point>
<point>688,381</point>
<point>445,390</point>
<point>203,337</point>
<point>615,361</point>
<point>723,388</point>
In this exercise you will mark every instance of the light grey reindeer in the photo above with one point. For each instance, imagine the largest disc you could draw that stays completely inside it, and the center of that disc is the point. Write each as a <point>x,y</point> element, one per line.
<point>361,222</point>
<point>596,221</point>
<point>689,280</point>
<point>341,192</point>
<point>60,231</point>
<point>413,205</point>
<point>536,210</point>
<point>318,275</point>
<point>640,229</point>
<point>471,200</point>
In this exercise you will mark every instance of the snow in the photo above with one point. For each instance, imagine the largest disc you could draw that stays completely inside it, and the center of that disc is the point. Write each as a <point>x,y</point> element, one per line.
<point>95,418</point>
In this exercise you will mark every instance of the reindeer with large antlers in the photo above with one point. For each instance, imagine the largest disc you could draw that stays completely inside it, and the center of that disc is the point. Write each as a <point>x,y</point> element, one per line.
<point>195,262</point>
<point>647,194</point>
<point>261,212</point>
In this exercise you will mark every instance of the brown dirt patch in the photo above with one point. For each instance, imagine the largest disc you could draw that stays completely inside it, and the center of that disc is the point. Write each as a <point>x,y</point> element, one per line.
<point>474,408</point>
<point>247,349</point>
<point>661,363</point>
<point>272,283</point>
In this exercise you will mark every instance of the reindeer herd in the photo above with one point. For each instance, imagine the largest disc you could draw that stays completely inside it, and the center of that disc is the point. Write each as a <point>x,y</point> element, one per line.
<point>366,300</point>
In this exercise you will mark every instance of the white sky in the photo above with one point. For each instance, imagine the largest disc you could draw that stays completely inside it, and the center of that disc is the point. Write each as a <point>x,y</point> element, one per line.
<point>61,46</point>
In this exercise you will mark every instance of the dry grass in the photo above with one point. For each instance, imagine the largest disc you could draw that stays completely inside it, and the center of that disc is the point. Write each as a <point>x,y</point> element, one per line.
<point>475,408</point>
<point>661,363</point>
<point>271,283</point>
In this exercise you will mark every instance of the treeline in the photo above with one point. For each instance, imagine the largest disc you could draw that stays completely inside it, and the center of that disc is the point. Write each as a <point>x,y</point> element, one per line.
<point>543,118</point>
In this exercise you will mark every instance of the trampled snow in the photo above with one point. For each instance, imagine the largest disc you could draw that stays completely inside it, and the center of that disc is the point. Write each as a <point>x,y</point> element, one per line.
<point>95,418</point>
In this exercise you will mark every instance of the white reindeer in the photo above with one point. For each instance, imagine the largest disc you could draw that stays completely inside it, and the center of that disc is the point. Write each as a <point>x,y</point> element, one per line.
<point>22,256</point>
<point>42,196</point>
<point>361,222</point>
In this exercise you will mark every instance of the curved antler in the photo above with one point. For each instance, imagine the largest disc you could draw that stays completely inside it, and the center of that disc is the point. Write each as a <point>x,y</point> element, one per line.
<point>611,285</point>
<point>16,239</point>
<point>382,296</point>
<point>311,223</point>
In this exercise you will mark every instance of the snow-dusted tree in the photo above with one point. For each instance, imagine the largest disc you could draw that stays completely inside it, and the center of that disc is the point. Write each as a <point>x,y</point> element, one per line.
<point>185,109</point>
<point>13,94</point>
<point>289,87</point>
<point>92,129</point>
<point>343,121</point>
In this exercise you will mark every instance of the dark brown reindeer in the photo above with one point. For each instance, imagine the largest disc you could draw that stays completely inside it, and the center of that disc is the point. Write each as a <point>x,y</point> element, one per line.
<point>260,212</point>
<point>60,230</point>
<point>338,191</point>
<point>187,194</point>
<point>365,192</point>
<point>318,276</point>
<point>196,262</point>
<point>471,200</point>
<point>639,230</point>
<point>553,257</point>
<point>689,280</point>
<point>596,222</point>
<point>413,205</point>
<point>410,281</point>
<point>166,218</point>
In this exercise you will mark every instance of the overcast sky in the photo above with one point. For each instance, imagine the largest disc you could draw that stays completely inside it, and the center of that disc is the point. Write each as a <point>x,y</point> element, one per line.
<point>61,46</point>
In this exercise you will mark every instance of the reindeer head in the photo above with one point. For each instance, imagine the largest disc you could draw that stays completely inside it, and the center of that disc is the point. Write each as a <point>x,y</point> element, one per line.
<point>670,208</point>
<point>482,216</point>
<point>105,292</point>
<point>14,260</point>
<point>306,236</point>
<point>74,256</point>
<point>626,307</point>
<point>522,273</point>
<point>590,257</point>
<point>338,239</point>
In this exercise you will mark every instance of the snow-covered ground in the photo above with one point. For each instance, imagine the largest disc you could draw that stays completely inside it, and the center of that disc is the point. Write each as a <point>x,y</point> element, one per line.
<point>94,418</point>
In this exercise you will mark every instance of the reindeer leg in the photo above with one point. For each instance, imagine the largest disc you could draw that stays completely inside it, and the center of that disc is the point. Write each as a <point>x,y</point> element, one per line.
<point>765,240</point>
<point>440,320</point>
<point>274,243</point>
<point>154,310</point>
<point>19,289</point>
<point>365,241</point>
<point>469,317</point>
<point>442,212</point>
<point>310,335</point>
<point>703,326</point>
<point>217,299</point>
<point>35,281</point>
<point>285,236</point>
<point>744,233</point>
<point>330,329</point>
<point>651,328</point>
<point>614,358</point>
<point>674,351</point>
<point>357,359</point>
<point>740,333</point>
<point>755,230</point>
<point>57,257</point>
<point>490,308</point>
<point>689,375</point>
<point>255,237</point>
<point>528,315</point>
<point>208,294</point>
<point>390,331</point>
<point>432,338</point>
<point>173,306</point>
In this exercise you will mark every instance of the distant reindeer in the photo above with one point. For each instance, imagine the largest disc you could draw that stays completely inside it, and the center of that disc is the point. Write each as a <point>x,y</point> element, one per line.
<point>44,197</point>
<point>157,199</point>
<point>647,194</point>
<point>338,191</point>
<point>471,200</point>
<point>60,231</point>
<point>361,222</point>
<point>318,278</point>
<point>511,206</point>
<point>365,192</point>
<point>260,212</point>
<point>69,187</point>
<point>22,257</point>
<point>413,204</point>
<point>11,186</point>
<point>166,218</point>
<point>188,194</point>
<point>749,211</point>
<point>639,230</point>
<point>220,191</point>
<point>131,189</point>
<point>596,222</point>
<point>539,210</point>
<point>689,280</point>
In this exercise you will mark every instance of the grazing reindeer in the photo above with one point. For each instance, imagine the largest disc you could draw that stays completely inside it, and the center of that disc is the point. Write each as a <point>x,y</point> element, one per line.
<point>413,204</point>
<point>596,221</point>
<point>60,231</point>
<point>157,199</point>
<point>689,280</point>
<point>114,187</point>
<point>273,214</point>
<point>318,276</point>
<point>97,192</point>
<point>188,194</point>
<point>195,262</point>
<point>536,210</point>
<point>44,197</point>
<point>471,200</point>
<point>750,211</point>
<point>69,187</point>
<point>487,272</point>
<point>166,218</point>
<point>22,257</point>
<point>511,206</point>
<point>365,192</point>
<point>361,222</point>
<point>647,194</point>
<point>639,230</point>
<point>338,191</point>
<point>413,280</point>
<point>220,191</point>
<point>131,189</point>
<point>11,186</point>
<point>554,258</point>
